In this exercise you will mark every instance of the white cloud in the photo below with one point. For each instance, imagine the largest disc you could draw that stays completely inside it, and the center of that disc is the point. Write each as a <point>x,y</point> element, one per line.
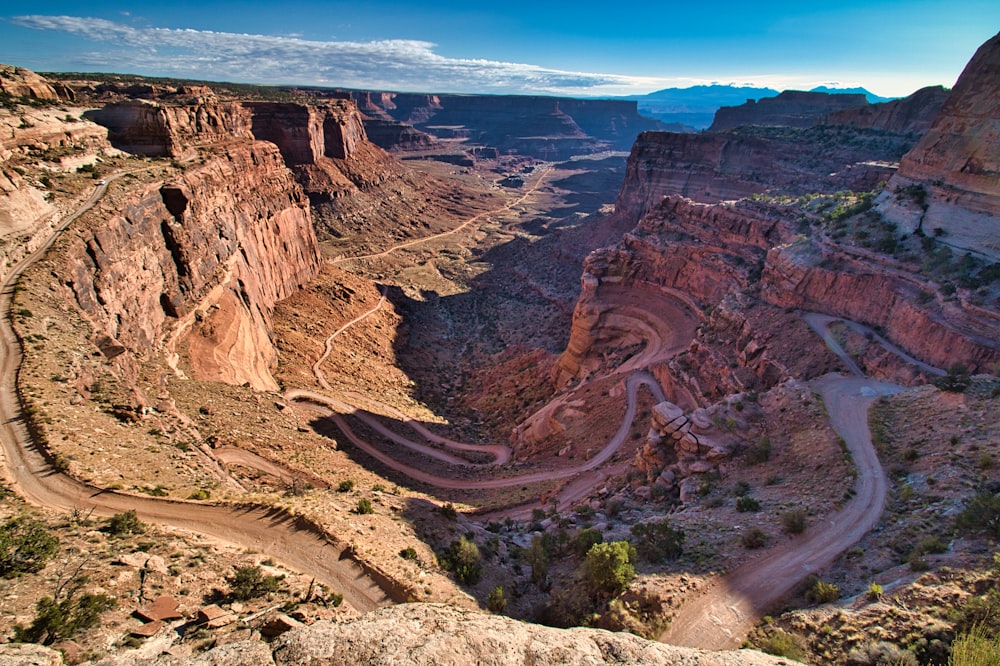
<point>387,64</point>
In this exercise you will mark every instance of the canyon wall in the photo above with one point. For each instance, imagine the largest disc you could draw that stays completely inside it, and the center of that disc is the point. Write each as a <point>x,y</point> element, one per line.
<point>202,258</point>
<point>779,161</point>
<point>941,332</point>
<point>913,114</point>
<point>956,164</point>
<point>791,108</point>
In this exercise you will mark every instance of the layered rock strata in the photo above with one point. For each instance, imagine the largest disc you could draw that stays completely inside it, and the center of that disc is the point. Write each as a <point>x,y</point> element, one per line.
<point>203,258</point>
<point>780,161</point>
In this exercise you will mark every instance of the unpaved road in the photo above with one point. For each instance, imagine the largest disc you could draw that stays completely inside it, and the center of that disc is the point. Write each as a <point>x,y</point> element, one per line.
<point>723,616</point>
<point>267,530</point>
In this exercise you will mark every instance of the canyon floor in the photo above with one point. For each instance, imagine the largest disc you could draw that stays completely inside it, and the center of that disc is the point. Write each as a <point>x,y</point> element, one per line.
<point>457,330</point>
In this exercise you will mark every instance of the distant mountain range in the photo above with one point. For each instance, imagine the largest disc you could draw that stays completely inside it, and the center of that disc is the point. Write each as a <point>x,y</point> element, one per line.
<point>696,106</point>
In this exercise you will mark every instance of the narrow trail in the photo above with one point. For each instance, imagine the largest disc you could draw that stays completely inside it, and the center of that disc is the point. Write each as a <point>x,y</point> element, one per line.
<point>288,539</point>
<point>723,615</point>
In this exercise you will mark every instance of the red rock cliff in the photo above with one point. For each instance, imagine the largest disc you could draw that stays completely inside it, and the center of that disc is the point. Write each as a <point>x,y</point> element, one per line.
<point>957,163</point>
<point>201,259</point>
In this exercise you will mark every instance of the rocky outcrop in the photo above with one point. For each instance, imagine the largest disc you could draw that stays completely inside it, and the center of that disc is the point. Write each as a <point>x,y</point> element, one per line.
<point>21,82</point>
<point>956,165</point>
<point>780,161</point>
<point>791,108</point>
<point>913,114</point>
<point>680,259</point>
<point>809,277</point>
<point>203,258</point>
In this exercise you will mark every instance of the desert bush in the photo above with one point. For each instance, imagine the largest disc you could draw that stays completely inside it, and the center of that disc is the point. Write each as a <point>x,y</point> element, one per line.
<point>586,538</point>
<point>608,568</point>
<point>747,504</point>
<point>408,553</point>
<point>656,542</point>
<point>122,524</point>
<point>881,654</point>
<point>537,557</point>
<point>977,647</point>
<point>496,601</point>
<point>822,593</point>
<point>795,521</point>
<point>448,511</point>
<point>64,615</point>
<point>981,514</point>
<point>874,592</point>
<point>760,452</point>
<point>783,644</point>
<point>463,559</point>
<point>957,380</point>
<point>345,486</point>
<point>250,582</point>
<point>364,506</point>
<point>25,546</point>
<point>754,538</point>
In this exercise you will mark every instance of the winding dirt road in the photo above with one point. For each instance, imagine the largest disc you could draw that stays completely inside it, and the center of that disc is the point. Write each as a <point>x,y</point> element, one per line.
<point>272,531</point>
<point>722,617</point>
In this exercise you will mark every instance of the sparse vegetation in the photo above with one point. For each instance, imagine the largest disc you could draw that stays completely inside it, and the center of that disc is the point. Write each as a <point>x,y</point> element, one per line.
<point>821,592</point>
<point>981,514</point>
<point>65,614</point>
<point>496,601</point>
<point>364,506</point>
<point>126,523</point>
<point>26,544</point>
<point>795,521</point>
<point>463,559</point>
<point>250,582</point>
<point>608,568</point>
<point>754,538</point>
<point>659,541</point>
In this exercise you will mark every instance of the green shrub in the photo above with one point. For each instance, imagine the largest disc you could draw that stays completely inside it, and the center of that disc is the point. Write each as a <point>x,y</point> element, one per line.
<point>783,644</point>
<point>496,601</point>
<point>608,567</point>
<point>537,556</point>
<point>409,553</point>
<point>795,521</point>
<point>463,559</point>
<point>957,380</point>
<point>449,511</point>
<point>249,582</point>
<point>981,514</point>
<point>345,486</point>
<point>55,620</point>
<point>747,505</point>
<point>586,538</point>
<point>656,542</point>
<point>874,592</point>
<point>364,506</point>
<point>759,452</point>
<point>754,538</point>
<point>122,524</point>
<point>25,546</point>
<point>978,647</point>
<point>822,593</point>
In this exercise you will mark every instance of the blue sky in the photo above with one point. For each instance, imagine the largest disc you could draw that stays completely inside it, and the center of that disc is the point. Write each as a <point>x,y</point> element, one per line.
<point>891,47</point>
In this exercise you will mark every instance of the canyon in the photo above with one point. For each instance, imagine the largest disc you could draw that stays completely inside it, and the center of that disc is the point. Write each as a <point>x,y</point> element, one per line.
<point>495,328</point>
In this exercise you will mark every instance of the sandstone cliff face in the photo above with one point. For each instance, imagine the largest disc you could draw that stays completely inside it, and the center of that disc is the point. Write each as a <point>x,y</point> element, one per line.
<point>730,165</point>
<point>21,82</point>
<point>913,114</point>
<point>150,128</point>
<point>206,257</point>
<point>791,108</point>
<point>957,163</point>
